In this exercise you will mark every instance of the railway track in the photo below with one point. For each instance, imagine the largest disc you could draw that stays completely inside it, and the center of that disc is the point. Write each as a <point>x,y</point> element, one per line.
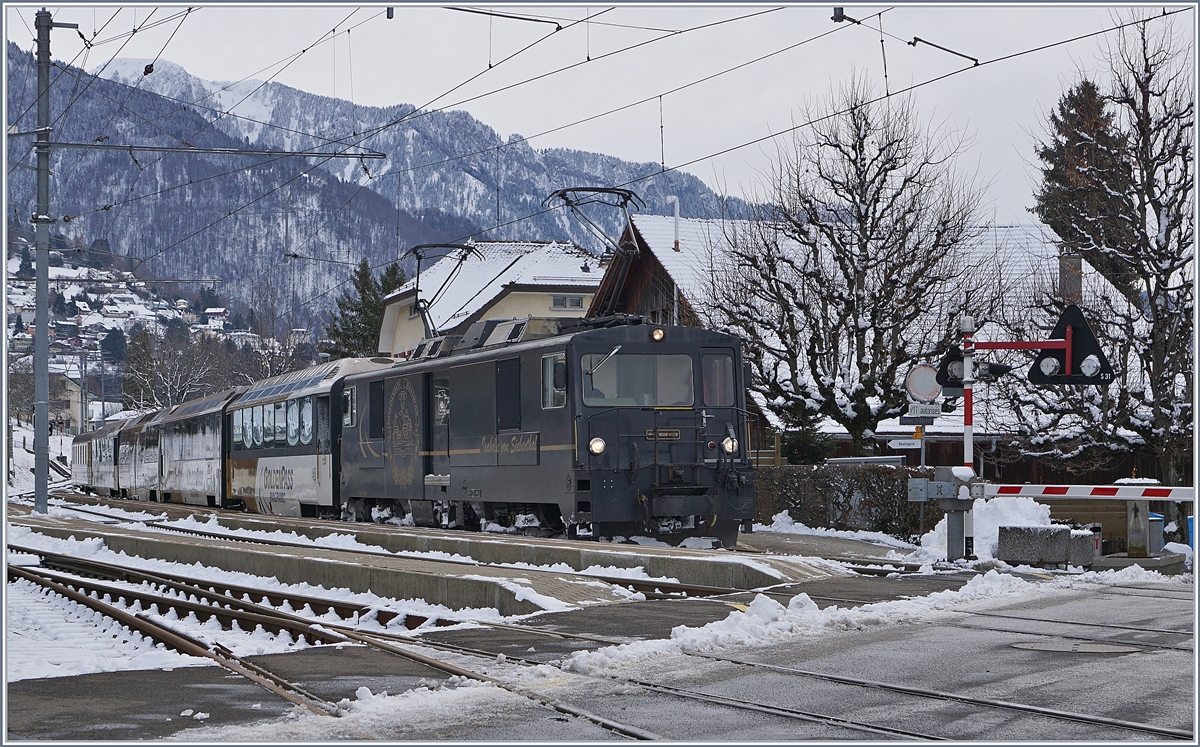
<point>207,599</point>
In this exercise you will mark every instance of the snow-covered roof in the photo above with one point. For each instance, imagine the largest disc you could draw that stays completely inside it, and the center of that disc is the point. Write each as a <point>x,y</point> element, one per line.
<point>1022,258</point>
<point>215,310</point>
<point>472,284</point>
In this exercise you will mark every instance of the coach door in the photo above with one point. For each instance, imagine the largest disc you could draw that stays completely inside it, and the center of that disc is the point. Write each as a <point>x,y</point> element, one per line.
<point>436,456</point>
<point>718,398</point>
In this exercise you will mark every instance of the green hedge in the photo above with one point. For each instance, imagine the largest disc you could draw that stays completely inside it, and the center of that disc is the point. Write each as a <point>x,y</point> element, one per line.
<point>870,497</point>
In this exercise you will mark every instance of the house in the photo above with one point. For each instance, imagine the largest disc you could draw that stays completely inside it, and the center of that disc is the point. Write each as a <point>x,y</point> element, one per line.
<point>216,317</point>
<point>500,280</point>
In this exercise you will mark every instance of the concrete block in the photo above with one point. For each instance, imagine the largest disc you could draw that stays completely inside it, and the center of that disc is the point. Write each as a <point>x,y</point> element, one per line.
<point>1082,548</point>
<point>1034,545</point>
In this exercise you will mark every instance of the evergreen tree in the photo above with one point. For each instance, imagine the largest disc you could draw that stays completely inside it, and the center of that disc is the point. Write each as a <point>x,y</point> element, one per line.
<point>1086,182</point>
<point>18,323</point>
<point>113,346</point>
<point>354,327</point>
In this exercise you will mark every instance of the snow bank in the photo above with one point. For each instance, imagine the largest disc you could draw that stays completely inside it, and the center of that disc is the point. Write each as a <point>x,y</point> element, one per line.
<point>766,620</point>
<point>988,517</point>
<point>782,523</point>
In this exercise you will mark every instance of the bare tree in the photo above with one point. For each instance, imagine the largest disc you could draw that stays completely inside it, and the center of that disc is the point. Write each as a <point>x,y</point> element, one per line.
<point>1133,219</point>
<point>854,264</point>
<point>167,372</point>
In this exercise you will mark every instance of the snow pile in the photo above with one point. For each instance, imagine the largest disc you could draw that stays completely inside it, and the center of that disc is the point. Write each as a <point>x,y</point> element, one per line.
<point>989,516</point>
<point>783,523</point>
<point>766,620</point>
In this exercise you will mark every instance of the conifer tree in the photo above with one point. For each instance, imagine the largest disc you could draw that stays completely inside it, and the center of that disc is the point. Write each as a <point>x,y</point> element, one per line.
<point>354,326</point>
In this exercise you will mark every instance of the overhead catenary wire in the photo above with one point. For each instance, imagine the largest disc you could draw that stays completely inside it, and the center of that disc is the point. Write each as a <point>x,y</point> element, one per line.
<point>908,89</point>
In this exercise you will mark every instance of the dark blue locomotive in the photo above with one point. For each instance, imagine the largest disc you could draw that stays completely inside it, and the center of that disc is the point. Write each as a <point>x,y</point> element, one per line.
<point>616,431</point>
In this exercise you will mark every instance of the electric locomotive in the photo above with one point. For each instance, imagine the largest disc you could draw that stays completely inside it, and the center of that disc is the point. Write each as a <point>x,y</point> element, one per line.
<point>602,428</point>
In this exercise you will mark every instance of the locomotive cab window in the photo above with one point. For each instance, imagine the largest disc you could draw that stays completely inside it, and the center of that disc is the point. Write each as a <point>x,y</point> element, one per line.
<point>350,406</point>
<point>616,380</point>
<point>718,381</point>
<point>554,381</point>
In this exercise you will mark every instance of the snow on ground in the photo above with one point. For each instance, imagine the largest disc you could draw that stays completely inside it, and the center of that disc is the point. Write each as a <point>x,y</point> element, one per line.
<point>21,481</point>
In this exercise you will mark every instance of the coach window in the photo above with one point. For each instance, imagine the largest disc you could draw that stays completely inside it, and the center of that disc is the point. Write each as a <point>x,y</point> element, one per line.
<point>293,422</point>
<point>236,428</point>
<point>280,423</point>
<point>247,433</point>
<point>257,415</point>
<point>554,380</point>
<point>306,420</point>
<point>349,406</point>
<point>718,381</point>
<point>268,425</point>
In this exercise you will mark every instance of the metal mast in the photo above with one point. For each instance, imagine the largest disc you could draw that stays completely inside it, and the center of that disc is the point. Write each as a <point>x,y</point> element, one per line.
<point>42,220</point>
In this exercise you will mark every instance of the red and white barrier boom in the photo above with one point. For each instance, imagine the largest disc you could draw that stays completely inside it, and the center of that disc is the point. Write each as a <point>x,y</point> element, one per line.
<point>1095,492</point>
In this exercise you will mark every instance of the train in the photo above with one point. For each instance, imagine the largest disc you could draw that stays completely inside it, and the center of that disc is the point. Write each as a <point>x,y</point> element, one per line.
<point>606,428</point>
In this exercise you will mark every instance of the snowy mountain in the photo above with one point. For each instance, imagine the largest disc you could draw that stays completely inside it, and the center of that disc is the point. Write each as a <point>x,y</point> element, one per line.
<point>233,217</point>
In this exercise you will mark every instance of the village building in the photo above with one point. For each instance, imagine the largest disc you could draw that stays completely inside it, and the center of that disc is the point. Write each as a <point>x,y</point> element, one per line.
<point>499,280</point>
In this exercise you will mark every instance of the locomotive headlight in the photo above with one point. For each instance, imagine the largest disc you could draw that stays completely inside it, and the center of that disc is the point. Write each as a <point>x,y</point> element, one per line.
<point>730,444</point>
<point>596,446</point>
<point>657,334</point>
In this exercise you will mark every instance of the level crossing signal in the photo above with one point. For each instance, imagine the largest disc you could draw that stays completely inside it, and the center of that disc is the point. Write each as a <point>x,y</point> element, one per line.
<point>1087,362</point>
<point>950,369</point>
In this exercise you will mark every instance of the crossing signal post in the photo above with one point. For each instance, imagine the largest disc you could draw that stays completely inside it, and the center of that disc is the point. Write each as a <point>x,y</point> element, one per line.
<point>1071,357</point>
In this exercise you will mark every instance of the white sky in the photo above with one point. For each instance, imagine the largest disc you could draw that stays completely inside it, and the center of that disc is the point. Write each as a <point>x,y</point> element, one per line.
<point>423,52</point>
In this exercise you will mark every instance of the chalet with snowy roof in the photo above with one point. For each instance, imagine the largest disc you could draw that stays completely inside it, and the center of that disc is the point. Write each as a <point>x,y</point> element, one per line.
<point>499,280</point>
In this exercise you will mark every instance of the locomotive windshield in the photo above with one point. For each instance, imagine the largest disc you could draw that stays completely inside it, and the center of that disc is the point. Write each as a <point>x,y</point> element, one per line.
<point>637,380</point>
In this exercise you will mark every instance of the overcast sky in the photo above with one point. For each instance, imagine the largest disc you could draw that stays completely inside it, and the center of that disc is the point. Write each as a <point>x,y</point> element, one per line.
<point>424,52</point>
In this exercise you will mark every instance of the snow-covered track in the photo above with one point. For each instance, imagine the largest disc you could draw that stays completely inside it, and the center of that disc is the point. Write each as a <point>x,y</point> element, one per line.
<point>174,639</point>
<point>961,698</point>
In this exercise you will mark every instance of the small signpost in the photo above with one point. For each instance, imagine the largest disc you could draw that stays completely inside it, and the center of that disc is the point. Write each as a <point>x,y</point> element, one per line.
<point>906,443</point>
<point>922,410</point>
<point>906,420</point>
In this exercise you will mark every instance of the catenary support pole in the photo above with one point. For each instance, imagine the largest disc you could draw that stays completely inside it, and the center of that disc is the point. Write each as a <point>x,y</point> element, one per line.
<point>41,221</point>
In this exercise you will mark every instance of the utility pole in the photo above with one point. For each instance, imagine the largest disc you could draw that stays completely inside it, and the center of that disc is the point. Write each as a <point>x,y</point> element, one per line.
<point>42,220</point>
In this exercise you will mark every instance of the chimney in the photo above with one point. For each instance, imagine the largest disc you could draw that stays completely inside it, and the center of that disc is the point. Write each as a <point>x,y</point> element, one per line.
<point>1070,278</point>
